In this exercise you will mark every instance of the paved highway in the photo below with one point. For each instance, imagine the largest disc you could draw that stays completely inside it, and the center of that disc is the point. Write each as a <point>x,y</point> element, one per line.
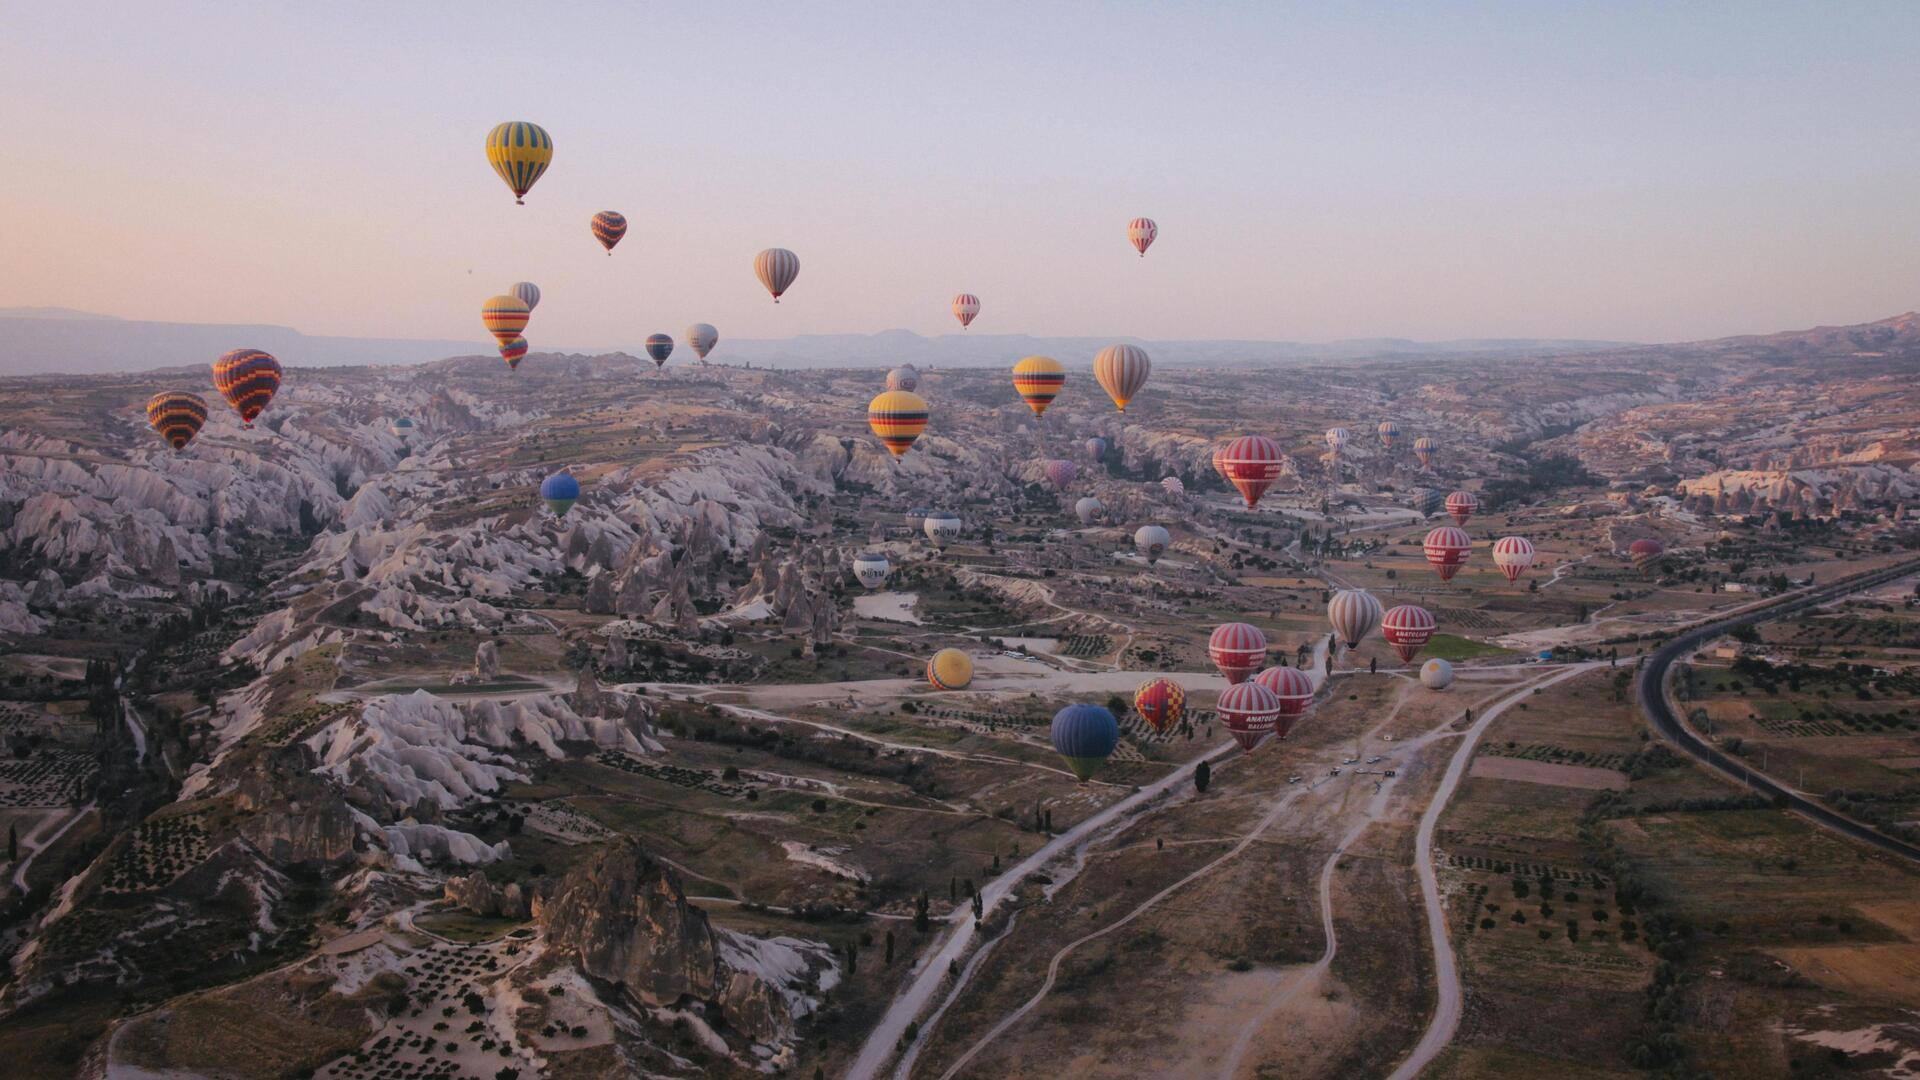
<point>1659,709</point>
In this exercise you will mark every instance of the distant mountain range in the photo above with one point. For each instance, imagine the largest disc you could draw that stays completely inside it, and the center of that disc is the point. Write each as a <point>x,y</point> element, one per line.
<point>62,340</point>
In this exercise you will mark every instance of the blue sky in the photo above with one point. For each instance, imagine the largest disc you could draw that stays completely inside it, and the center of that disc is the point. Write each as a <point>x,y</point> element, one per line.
<point>1647,172</point>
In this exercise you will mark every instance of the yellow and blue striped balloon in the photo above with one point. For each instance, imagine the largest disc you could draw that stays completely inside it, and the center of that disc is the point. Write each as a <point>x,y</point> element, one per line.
<point>519,152</point>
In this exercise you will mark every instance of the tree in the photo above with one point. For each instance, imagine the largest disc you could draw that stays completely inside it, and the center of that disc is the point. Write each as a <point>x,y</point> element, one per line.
<point>889,947</point>
<point>13,843</point>
<point>1202,776</point>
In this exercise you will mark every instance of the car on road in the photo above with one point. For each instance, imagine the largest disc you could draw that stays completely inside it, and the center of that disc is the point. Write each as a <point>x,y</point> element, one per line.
<point>1348,761</point>
<point>1374,760</point>
<point>1294,779</point>
<point>1335,771</point>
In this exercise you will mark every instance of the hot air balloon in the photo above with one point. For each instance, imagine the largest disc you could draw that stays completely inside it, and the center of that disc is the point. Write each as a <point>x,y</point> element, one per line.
<point>1121,370</point>
<point>1238,649</point>
<point>608,227</point>
<point>1038,379</point>
<point>917,518</point>
<point>1646,555</point>
<point>401,427</point>
<point>1084,735</point>
<point>903,377</point>
<point>526,292</point>
<point>177,415</point>
<point>659,346</point>
<point>776,268</point>
<point>701,338</point>
<point>1219,462</point>
<point>965,307</point>
<point>519,152</point>
<point>1354,613</point>
<point>1461,505</point>
<point>1513,554</point>
<point>1151,541</point>
<point>1407,628</point>
<point>1249,711</point>
<point>1436,674</point>
<point>1428,501</point>
<point>1097,448</point>
<point>1252,463</point>
<point>513,350</point>
<point>871,569</point>
<point>1447,549</point>
<point>1088,510</point>
<point>1293,689</point>
<point>1161,703</point>
<point>505,316</point>
<point>950,669</point>
<point>1172,486</point>
<point>560,491</point>
<point>1423,448</point>
<point>1389,433</point>
<point>942,528</point>
<point>1337,439</point>
<point>247,378</point>
<point>1140,233</point>
<point>1061,472</point>
<point>897,417</point>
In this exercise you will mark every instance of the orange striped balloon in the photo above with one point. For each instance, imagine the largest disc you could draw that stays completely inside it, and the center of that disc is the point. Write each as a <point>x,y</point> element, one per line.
<point>1038,380</point>
<point>608,227</point>
<point>177,415</point>
<point>505,316</point>
<point>897,417</point>
<point>776,268</point>
<point>248,379</point>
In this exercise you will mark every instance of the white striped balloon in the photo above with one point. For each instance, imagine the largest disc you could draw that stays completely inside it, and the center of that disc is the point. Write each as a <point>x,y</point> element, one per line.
<point>1354,613</point>
<point>1121,371</point>
<point>701,338</point>
<point>527,293</point>
<point>776,268</point>
<point>1140,233</point>
<point>965,307</point>
<point>1513,555</point>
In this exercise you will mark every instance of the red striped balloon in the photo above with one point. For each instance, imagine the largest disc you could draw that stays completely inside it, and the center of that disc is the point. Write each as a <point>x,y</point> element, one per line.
<point>1249,711</point>
<point>248,379</point>
<point>965,307</point>
<point>1238,649</point>
<point>1513,554</point>
<point>1407,628</point>
<point>1461,505</point>
<point>1294,690</point>
<point>1447,550</point>
<point>1140,233</point>
<point>1252,463</point>
<point>608,227</point>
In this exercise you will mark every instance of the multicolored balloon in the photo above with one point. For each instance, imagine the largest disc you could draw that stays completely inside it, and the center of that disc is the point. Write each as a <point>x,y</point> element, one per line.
<point>1408,628</point>
<point>1249,711</point>
<point>520,152</point>
<point>1084,735</point>
<point>1354,613</point>
<point>1152,542</point>
<point>871,569</point>
<point>1252,463</point>
<point>1513,555</point>
<point>1461,505</point>
<point>1294,690</point>
<point>904,377</point>
<point>950,669</point>
<point>897,417</point>
<point>505,317</point>
<point>248,379</point>
<point>177,415</point>
<point>965,307</point>
<point>1121,371</point>
<point>402,427</point>
<point>1173,487</point>
<point>513,350</point>
<point>1389,433</point>
<point>1140,233</point>
<point>1423,448</point>
<point>942,527</point>
<point>1061,473</point>
<point>776,268</point>
<point>526,292</point>
<point>659,346</point>
<point>1428,501</point>
<point>1097,448</point>
<point>1088,510</point>
<point>1337,439</point>
<point>1646,555</point>
<point>560,491</point>
<point>1038,380</point>
<point>608,227</point>
<point>1162,703</point>
<point>701,338</point>
<point>1238,649</point>
<point>1447,549</point>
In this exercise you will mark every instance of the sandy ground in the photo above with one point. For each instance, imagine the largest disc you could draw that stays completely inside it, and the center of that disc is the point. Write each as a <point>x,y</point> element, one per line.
<point>887,607</point>
<point>1546,772</point>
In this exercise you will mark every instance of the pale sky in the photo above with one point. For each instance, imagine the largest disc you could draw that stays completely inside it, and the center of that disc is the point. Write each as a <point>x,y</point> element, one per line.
<point>1632,171</point>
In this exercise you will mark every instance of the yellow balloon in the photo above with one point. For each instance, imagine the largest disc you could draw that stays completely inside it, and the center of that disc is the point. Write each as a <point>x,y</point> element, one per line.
<point>519,152</point>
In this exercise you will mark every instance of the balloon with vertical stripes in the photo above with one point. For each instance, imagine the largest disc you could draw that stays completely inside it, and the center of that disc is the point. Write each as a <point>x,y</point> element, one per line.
<point>776,268</point>
<point>520,152</point>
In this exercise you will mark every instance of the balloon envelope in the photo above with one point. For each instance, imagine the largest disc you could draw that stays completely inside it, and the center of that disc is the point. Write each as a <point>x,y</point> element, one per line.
<point>897,417</point>
<point>659,346</point>
<point>1061,472</point>
<point>1250,711</point>
<point>1141,233</point>
<point>965,307</point>
<point>942,527</point>
<point>560,491</point>
<point>776,268</point>
<point>1461,505</point>
<point>1252,463</point>
<point>1513,555</point>
<point>1436,674</point>
<point>904,377</point>
<point>1354,613</point>
<point>1088,510</point>
<point>871,569</point>
<point>1238,649</point>
<point>950,669</point>
<point>608,227</point>
<point>520,152</point>
<point>526,292</point>
<point>1162,703</point>
<point>513,350</point>
<point>1151,541</point>
<point>248,379</point>
<point>1121,370</point>
<point>1084,735</point>
<point>505,316</point>
<point>1038,380</point>
<point>1407,628</point>
<point>1447,549</point>
<point>177,415</point>
<point>701,338</point>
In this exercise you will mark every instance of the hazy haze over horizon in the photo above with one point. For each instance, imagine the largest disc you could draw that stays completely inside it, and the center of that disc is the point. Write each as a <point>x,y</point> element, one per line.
<point>1637,173</point>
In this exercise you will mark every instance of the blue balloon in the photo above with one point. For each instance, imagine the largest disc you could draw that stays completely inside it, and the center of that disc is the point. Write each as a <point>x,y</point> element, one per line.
<point>560,490</point>
<point>1085,735</point>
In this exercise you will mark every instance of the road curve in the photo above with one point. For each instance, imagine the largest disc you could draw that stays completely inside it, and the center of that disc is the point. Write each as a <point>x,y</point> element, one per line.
<point>1655,702</point>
